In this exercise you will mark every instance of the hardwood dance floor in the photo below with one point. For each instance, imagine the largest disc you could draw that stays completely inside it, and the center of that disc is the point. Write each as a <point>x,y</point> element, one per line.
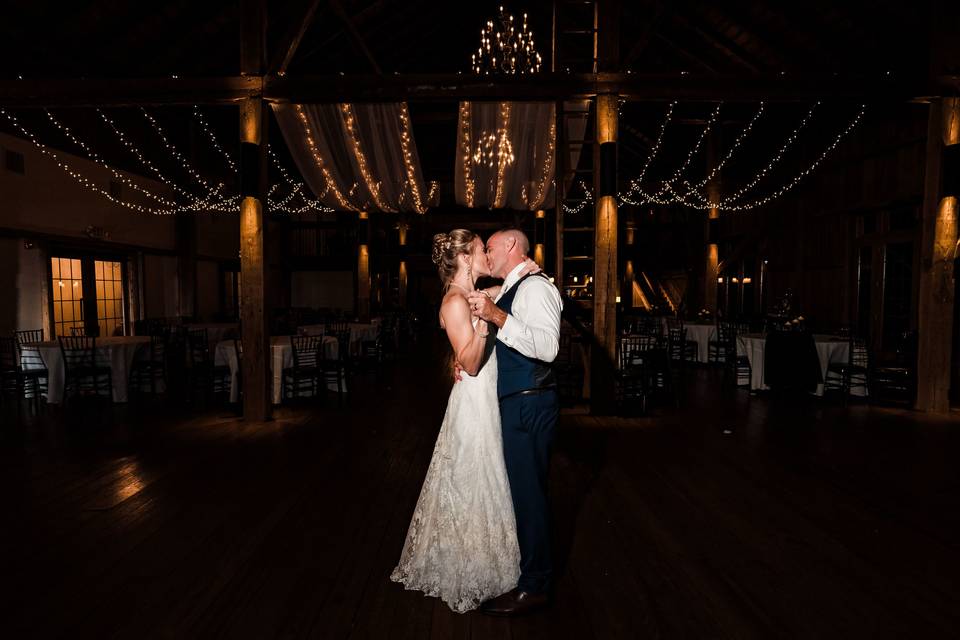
<point>737,516</point>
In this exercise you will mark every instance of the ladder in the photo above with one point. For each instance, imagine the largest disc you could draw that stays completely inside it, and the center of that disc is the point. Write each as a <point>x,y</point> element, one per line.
<point>574,51</point>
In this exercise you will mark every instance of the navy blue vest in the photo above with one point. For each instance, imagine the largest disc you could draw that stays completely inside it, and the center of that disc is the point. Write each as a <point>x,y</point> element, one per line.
<point>515,371</point>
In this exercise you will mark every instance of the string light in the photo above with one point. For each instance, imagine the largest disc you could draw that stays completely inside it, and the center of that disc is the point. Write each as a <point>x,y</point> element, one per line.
<point>729,203</point>
<point>213,139</point>
<point>465,125</point>
<point>75,174</point>
<point>504,153</point>
<point>95,158</point>
<point>373,187</point>
<point>315,153</point>
<point>406,150</point>
<point>548,166</point>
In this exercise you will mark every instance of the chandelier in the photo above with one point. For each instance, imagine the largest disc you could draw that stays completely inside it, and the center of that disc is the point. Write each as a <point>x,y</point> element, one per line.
<point>506,48</point>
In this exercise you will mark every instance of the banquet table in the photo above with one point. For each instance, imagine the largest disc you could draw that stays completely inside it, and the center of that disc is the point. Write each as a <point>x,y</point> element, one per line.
<point>118,352</point>
<point>281,356</point>
<point>702,333</point>
<point>359,332</point>
<point>216,331</point>
<point>830,349</point>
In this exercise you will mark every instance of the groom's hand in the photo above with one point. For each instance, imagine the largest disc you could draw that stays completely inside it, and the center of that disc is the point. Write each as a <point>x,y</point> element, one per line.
<point>483,307</point>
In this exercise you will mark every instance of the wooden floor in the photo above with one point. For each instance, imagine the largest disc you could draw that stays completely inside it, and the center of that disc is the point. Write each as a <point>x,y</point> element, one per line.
<point>738,516</point>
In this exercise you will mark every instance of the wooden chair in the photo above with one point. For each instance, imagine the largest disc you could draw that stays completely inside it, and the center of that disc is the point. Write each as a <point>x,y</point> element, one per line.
<point>30,359</point>
<point>206,377</point>
<point>304,375</point>
<point>852,374</point>
<point>153,368</point>
<point>334,370</point>
<point>719,349</point>
<point>679,347</point>
<point>81,370</point>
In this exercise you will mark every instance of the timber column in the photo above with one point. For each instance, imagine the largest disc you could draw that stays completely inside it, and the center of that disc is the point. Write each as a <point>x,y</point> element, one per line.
<point>712,252</point>
<point>253,187</point>
<point>363,266</point>
<point>938,250</point>
<point>605,284</point>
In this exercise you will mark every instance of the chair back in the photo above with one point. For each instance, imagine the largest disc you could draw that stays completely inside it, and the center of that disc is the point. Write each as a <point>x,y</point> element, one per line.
<point>78,352</point>
<point>198,346</point>
<point>674,323</point>
<point>677,335</point>
<point>9,360</point>
<point>858,355</point>
<point>27,340</point>
<point>337,327</point>
<point>306,350</point>
<point>726,331</point>
<point>631,348</point>
<point>158,348</point>
<point>78,331</point>
<point>343,342</point>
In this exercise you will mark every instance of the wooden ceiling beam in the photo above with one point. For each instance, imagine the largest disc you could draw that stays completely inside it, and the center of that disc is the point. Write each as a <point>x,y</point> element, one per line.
<point>114,92</point>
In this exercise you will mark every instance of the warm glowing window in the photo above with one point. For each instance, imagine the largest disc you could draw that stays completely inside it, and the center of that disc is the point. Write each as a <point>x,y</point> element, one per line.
<point>87,296</point>
<point>109,297</point>
<point>67,295</point>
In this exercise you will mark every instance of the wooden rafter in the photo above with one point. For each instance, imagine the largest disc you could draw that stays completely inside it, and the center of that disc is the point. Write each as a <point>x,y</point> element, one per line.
<point>291,42</point>
<point>355,35</point>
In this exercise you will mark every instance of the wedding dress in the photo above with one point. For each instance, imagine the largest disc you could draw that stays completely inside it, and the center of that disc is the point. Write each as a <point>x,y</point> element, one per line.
<point>462,542</point>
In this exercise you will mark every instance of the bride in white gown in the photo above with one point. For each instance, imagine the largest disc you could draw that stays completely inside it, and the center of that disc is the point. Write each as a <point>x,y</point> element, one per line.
<point>462,542</point>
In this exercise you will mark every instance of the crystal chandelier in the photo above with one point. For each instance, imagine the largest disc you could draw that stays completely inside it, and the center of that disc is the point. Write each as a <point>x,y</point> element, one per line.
<point>505,48</point>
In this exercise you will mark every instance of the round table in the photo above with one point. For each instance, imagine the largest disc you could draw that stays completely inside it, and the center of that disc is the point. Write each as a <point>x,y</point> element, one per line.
<point>118,352</point>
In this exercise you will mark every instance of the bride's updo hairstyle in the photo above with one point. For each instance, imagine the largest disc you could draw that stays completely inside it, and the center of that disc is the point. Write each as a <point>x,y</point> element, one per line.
<point>446,248</point>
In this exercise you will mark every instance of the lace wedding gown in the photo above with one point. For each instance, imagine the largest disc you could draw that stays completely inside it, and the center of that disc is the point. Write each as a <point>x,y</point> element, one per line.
<point>462,542</point>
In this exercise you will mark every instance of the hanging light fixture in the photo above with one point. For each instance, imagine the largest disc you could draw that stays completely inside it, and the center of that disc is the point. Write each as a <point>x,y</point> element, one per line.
<point>506,48</point>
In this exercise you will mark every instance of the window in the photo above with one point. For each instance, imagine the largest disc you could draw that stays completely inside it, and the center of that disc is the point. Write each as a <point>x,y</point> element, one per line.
<point>67,295</point>
<point>109,297</point>
<point>897,292</point>
<point>87,294</point>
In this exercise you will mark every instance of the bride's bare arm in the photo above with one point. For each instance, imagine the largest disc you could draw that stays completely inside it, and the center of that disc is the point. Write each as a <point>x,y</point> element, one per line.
<point>468,343</point>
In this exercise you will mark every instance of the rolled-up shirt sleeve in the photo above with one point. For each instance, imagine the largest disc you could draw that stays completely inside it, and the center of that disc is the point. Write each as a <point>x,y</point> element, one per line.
<point>533,325</point>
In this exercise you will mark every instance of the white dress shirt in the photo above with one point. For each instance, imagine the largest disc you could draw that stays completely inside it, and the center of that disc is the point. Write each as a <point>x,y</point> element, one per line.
<point>533,325</point>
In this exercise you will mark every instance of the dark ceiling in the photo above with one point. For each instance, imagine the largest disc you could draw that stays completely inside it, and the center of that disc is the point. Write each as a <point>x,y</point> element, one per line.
<point>110,38</point>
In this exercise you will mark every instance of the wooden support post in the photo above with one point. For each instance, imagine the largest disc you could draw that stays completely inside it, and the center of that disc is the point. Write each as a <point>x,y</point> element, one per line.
<point>402,229</point>
<point>363,268</point>
<point>605,283</point>
<point>938,249</point>
<point>629,277</point>
<point>253,266</point>
<point>712,252</point>
<point>185,241</point>
<point>539,252</point>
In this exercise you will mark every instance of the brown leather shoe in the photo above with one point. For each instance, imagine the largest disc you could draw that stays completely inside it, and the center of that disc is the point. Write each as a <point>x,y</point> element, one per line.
<point>514,603</point>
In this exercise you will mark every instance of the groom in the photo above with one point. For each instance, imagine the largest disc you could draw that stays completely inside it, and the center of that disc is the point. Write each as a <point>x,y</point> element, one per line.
<point>526,319</point>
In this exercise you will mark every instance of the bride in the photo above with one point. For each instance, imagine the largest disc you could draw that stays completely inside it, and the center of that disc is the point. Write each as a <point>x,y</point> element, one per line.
<point>462,542</point>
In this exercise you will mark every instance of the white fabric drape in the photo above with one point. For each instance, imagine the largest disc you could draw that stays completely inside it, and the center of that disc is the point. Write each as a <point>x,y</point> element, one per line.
<point>506,155</point>
<point>358,157</point>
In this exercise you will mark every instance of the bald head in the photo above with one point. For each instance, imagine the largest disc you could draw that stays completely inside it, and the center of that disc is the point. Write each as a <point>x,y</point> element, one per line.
<point>505,250</point>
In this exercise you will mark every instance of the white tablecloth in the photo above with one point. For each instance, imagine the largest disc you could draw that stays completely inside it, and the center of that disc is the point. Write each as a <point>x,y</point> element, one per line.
<point>117,351</point>
<point>702,333</point>
<point>281,356</point>
<point>830,349</point>
<point>359,332</point>
<point>216,331</point>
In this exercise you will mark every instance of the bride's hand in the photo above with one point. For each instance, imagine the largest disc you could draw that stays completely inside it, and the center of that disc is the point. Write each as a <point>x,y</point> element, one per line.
<point>457,372</point>
<point>530,267</point>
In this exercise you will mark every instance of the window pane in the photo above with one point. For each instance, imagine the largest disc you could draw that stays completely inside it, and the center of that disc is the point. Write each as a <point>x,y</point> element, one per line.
<point>99,269</point>
<point>55,267</point>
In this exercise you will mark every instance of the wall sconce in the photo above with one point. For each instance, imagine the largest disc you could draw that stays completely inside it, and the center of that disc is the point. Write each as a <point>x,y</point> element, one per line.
<point>720,280</point>
<point>574,279</point>
<point>747,280</point>
<point>618,299</point>
<point>734,280</point>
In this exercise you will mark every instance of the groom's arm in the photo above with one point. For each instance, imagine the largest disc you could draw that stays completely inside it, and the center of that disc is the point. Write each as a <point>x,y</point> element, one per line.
<point>533,327</point>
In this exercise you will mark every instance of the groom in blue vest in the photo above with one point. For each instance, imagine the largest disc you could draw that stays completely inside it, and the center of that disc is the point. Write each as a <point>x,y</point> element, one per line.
<point>526,319</point>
